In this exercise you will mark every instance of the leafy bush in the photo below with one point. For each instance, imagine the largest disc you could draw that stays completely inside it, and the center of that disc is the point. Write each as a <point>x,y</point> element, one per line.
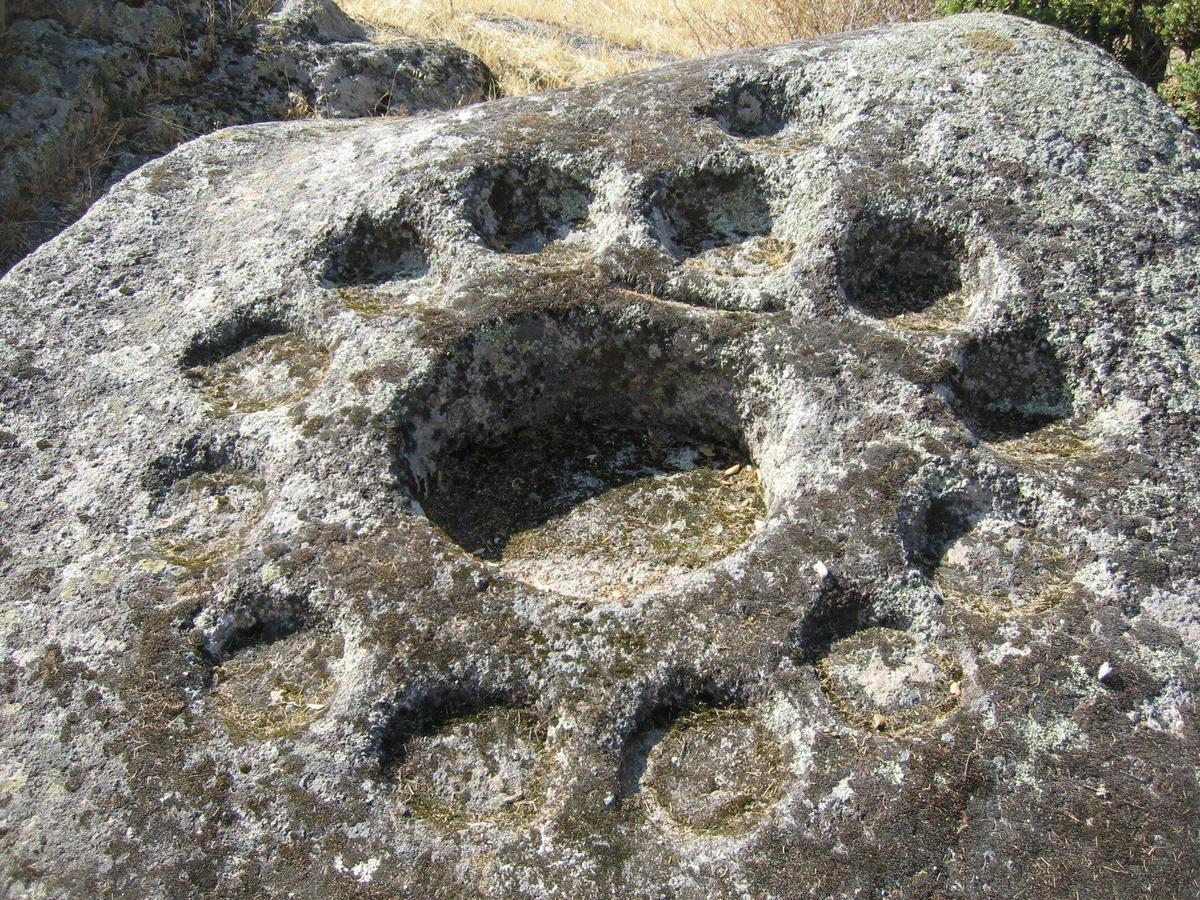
<point>1181,88</point>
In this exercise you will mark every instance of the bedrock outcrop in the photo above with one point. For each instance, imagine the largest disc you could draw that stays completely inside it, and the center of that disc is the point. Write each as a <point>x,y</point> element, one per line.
<point>772,475</point>
<point>91,90</point>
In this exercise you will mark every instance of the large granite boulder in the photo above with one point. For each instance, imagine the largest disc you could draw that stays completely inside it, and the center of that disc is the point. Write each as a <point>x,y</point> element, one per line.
<point>774,475</point>
<point>90,91</point>
<point>307,57</point>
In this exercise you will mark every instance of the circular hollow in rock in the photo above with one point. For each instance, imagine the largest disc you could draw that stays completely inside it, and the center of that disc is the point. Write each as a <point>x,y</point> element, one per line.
<point>1011,384</point>
<point>378,253</point>
<point>457,766</point>
<point>883,679</point>
<point>272,690</point>
<point>990,562</point>
<point>522,207</point>
<point>262,372</point>
<point>896,265</point>
<point>712,770</point>
<point>755,256</point>
<point>513,453</point>
<point>705,212</point>
<point>748,109</point>
<point>203,516</point>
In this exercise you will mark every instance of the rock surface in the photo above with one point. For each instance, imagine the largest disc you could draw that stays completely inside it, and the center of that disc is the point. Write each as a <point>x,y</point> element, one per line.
<point>870,362</point>
<point>89,91</point>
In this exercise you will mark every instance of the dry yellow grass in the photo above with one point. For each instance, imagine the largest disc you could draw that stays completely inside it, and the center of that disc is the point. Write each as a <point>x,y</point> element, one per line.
<point>534,45</point>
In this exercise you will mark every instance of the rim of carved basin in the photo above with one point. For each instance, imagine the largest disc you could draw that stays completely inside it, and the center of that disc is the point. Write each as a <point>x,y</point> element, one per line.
<point>888,680</point>
<point>586,460</point>
<point>708,768</point>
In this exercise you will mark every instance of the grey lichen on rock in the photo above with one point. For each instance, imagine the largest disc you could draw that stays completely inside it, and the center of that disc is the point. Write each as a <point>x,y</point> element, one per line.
<point>771,475</point>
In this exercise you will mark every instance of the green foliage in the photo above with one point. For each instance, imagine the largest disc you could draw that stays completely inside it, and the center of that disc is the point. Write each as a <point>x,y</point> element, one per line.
<point>1181,88</point>
<point>1179,24</point>
<point>1140,33</point>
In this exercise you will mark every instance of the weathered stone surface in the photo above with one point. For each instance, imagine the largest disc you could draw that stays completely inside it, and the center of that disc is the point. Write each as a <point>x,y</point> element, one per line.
<point>89,91</point>
<point>309,57</point>
<point>880,348</point>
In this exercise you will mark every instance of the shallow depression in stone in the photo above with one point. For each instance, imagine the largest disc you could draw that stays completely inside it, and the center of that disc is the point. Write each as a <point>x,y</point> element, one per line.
<point>884,679</point>
<point>266,371</point>
<point>596,511</point>
<point>1002,566</point>
<point>276,689</point>
<point>471,765</point>
<point>204,516</point>
<point>581,455</point>
<point>711,770</point>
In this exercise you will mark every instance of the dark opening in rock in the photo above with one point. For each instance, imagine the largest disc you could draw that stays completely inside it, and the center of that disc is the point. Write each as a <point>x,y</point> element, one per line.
<point>894,265</point>
<point>231,335</point>
<point>876,674</point>
<point>520,208</point>
<point>748,109</point>
<point>584,461</point>
<point>200,454</point>
<point>377,252</point>
<point>1011,384</point>
<point>840,610</point>
<point>710,209</point>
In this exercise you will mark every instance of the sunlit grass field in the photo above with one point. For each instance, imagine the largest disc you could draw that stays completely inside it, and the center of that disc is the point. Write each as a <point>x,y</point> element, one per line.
<point>534,45</point>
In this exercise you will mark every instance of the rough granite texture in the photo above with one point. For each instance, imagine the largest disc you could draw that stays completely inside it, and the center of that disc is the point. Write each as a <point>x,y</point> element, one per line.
<point>840,396</point>
<point>91,90</point>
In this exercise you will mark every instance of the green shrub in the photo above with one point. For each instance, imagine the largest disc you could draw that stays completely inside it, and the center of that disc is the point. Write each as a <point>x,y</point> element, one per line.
<point>1140,33</point>
<point>1181,88</point>
<point>1179,24</point>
